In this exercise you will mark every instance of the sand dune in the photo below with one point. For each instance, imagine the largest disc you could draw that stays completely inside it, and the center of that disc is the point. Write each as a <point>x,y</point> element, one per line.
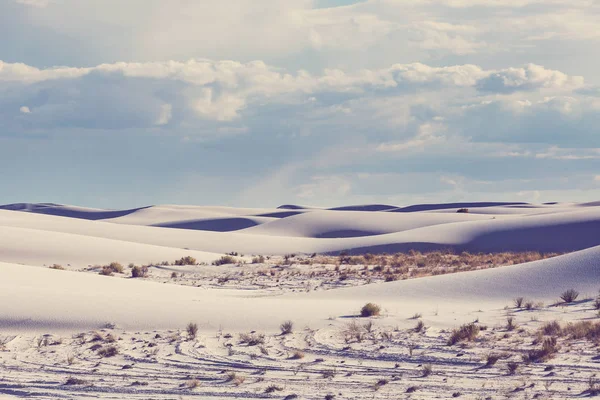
<point>45,311</point>
<point>47,299</point>
<point>558,228</point>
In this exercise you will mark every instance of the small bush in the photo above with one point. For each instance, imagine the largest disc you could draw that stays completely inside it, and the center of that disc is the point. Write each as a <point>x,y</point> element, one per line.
<point>188,260</point>
<point>512,367</point>
<point>258,260</point>
<point>57,266</point>
<point>116,267</point>
<point>75,381</point>
<point>287,327</point>
<point>273,388</point>
<point>519,302</point>
<point>173,275</point>
<point>106,271</point>
<point>370,310</point>
<point>298,355</point>
<point>467,332</point>
<point>551,328</point>
<point>192,330</point>
<point>139,272</point>
<point>548,350</point>
<point>224,260</point>
<point>108,351</point>
<point>252,339</point>
<point>420,327</point>
<point>511,325</point>
<point>491,359</point>
<point>236,379</point>
<point>569,296</point>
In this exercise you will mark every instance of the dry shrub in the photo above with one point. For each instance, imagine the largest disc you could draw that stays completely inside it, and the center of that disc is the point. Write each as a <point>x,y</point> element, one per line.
<point>252,338</point>
<point>75,381</point>
<point>258,260</point>
<point>420,327</point>
<point>548,350</point>
<point>583,330</point>
<point>519,302</point>
<point>106,271</point>
<point>467,332</point>
<point>108,351</point>
<point>187,260</point>
<point>273,388</point>
<point>512,367</point>
<point>297,355</point>
<point>551,329</point>
<point>139,272</point>
<point>192,330</point>
<point>287,327</point>
<point>236,379</point>
<point>354,332</point>
<point>511,325</point>
<point>224,260</point>
<point>569,296</point>
<point>116,267</point>
<point>370,310</point>
<point>57,266</point>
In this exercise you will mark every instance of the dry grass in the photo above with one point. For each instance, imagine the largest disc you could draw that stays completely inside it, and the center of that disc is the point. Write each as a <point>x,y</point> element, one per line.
<point>467,332</point>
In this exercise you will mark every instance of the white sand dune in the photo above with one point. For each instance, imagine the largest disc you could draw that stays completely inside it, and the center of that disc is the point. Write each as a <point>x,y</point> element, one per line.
<point>549,228</point>
<point>45,299</point>
<point>150,314</point>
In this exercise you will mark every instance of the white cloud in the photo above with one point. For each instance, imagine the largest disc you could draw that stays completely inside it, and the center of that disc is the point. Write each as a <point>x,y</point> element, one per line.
<point>165,115</point>
<point>25,110</point>
<point>34,3</point>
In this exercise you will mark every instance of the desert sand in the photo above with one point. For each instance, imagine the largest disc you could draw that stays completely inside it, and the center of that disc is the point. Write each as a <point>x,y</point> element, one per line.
<point>71,332</point>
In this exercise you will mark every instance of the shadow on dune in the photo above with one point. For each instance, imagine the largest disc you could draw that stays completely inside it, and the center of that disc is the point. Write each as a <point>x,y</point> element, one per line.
<point>281,214</point>
<point>446,206</point>
<point>62,211</point>
<point>348,233</point>
<point>365,207</point>
<point>559,238</point>
<point>291,207</point>
<point>213,225</point>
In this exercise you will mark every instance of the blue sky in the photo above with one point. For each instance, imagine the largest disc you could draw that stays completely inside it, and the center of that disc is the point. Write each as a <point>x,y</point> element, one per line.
<point>325,103</point>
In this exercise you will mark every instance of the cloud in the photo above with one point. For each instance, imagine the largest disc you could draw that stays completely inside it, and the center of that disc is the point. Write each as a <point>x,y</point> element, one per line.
<point>530,77</point>
<point>25,110</point>
<point>34,3</point>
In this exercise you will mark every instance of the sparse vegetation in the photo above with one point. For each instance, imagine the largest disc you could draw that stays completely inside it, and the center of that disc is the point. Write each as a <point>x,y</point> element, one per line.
<point>569,296</point>
<point>548,350</point>
<point>370,310</point>
<point>139,272</point>
<point>187,260</point>
<point>519,302</point>
<point>192,330</point>
<point>286,327</point>
<point>252,338</point>
<point>75,381</point>
<point>224,260</point>
<point>108,351</point>
<point>467,332</point>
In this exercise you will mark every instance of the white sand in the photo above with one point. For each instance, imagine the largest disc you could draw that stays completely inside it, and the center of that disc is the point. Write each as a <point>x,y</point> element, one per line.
<point>41,300</point>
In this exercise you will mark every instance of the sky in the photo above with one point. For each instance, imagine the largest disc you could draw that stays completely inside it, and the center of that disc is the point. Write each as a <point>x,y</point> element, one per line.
<point>126,103</point>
